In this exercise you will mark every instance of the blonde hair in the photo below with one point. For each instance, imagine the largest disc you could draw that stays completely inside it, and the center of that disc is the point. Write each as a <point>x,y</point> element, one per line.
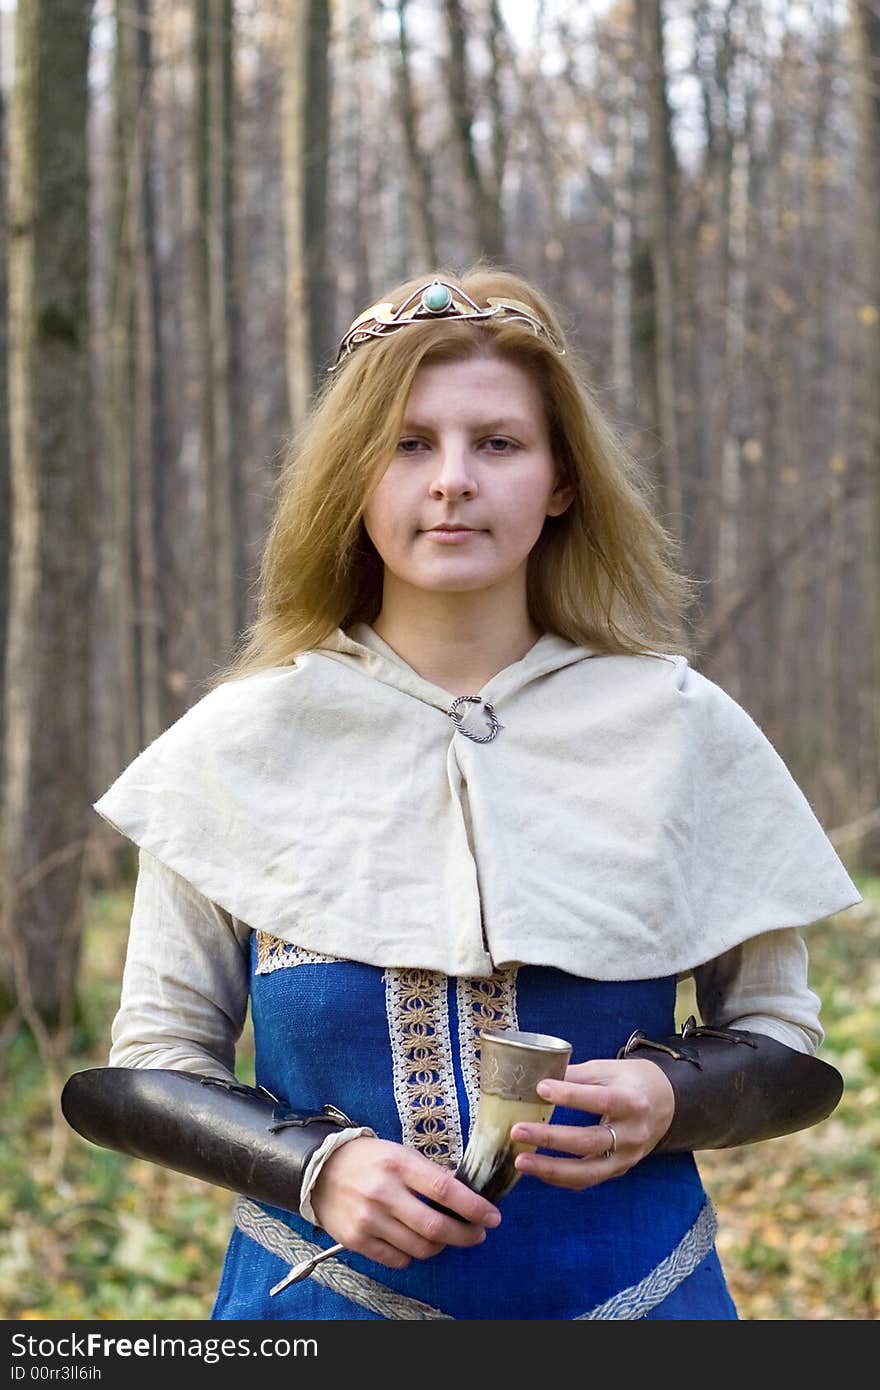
<point>602,574</point>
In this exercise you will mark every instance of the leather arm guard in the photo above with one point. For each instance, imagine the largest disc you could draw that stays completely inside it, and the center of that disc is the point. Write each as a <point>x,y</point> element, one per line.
<point>735,1087</point>
<point>236,1136</point>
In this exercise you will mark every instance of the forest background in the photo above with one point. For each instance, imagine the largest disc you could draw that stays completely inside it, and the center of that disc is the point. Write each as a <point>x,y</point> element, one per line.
<point>196,197</point>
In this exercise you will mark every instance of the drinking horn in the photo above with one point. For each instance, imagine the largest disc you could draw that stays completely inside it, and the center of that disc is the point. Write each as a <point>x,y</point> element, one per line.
<point>511,1065</point>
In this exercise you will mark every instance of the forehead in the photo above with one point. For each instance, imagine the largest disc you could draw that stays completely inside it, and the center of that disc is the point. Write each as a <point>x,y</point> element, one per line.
<point>475,383</point>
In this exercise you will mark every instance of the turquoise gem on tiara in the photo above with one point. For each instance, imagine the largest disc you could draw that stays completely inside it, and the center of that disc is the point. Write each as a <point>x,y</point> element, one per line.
<point>436,298</point>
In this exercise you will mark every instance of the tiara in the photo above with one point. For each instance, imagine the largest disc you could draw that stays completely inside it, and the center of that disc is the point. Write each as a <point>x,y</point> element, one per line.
<point>437,300</point>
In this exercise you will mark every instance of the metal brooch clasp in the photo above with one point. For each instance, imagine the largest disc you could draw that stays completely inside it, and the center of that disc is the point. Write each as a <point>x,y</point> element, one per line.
<point>457,718</point>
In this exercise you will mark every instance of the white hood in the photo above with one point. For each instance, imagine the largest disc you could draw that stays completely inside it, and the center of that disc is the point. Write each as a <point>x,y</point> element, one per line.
<point>629,820</point>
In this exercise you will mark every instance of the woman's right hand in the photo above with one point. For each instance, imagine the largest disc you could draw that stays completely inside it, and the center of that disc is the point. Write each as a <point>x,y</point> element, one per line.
<point>369,1193</point>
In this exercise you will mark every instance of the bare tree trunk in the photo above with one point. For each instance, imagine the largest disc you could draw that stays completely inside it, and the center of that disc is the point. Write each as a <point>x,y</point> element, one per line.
<point>731,505</point>
<point>263,377</point>
<point>730,510</point>
<point>420,188</point>
<point>500,55</point>
<point>662,222</point>
<point>772,415</point>
<point>830,577</point>
<point>355,189</point>
<point>180,493</point>
<point>622,214</point>
<point>865,34</point>
<point>701,496</point>
<point>46,805</point>
<point>533,113</point>
<point>225,326</point>
<point>136,453</point>
<point>306,144</point>
<point>149,460</point>
<point>122,390</point>
<point>5,484</point>
<point>219,314</point>
<point>487,209</point>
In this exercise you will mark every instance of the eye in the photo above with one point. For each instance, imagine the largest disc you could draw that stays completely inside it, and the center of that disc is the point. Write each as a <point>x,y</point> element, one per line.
<point>403,445</point>
<point>496,440</point>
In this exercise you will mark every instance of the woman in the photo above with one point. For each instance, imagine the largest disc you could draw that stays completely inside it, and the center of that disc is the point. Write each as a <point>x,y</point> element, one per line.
<point>460,775</point>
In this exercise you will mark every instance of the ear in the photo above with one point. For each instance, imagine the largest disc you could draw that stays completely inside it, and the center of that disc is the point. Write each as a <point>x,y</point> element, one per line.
<point>560,498</point>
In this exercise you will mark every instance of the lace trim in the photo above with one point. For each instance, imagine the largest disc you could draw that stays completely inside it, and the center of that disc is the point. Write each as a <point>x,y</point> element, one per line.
<point>488,1002</point>
<point>275,954</point>
<point>421,1054</point>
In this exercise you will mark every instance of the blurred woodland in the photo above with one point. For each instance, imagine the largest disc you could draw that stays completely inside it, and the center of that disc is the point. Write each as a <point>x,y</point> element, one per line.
<point>197,196</point>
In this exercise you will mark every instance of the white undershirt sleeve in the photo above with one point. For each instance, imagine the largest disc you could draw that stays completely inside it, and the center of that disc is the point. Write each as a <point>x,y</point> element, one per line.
<point>761,986</point>
<point>185,983</point>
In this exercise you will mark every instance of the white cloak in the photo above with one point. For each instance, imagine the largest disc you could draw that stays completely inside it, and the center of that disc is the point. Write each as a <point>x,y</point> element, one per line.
<point>630,820</point>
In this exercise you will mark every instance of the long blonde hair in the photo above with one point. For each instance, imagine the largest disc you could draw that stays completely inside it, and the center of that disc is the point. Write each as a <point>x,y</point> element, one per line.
<point>602,574</point>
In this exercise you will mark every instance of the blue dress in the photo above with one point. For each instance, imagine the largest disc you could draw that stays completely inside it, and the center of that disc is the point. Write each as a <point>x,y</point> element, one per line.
<point>399,1050</point>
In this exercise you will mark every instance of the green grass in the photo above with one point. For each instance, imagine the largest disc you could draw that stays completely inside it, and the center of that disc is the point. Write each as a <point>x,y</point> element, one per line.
<point>106,1237</point>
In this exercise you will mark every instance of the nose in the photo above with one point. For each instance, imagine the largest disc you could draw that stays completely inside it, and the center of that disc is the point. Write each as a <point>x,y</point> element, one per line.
<point>454,474</point>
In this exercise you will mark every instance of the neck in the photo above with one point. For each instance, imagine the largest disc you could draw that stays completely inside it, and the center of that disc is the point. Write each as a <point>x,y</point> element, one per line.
<point>456,641</point>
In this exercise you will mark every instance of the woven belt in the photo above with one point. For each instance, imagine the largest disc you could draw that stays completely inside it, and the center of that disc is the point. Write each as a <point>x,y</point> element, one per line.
<point>630,1304</point>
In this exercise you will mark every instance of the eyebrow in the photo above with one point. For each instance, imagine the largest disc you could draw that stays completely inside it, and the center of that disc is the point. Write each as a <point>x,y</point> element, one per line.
<point>502,422</point>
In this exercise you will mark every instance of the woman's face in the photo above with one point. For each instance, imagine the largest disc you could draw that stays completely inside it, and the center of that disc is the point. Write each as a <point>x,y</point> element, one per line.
<point>473,455</point>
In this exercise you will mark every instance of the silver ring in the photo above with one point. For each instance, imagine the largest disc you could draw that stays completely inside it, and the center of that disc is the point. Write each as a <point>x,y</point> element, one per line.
<point>609,1153</point>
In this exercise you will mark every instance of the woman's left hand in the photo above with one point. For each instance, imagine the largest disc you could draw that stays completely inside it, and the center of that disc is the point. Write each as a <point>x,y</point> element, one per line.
<point>635,1101</point>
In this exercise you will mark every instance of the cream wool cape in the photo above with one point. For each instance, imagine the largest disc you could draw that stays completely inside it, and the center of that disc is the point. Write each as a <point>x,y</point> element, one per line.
<point>629,821</point>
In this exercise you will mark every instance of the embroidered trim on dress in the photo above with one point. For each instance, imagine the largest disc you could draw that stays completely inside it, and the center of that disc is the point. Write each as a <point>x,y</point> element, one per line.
<point>275,954</point>
<point>483,1002</point>
<point>638,1300</point>
<point>280,1240</point>
<point>629,1304</point>
<point>421,1054</point>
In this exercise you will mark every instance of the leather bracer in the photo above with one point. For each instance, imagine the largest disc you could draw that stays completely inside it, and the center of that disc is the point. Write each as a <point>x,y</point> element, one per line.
<point>736,1087</point>
<point>236,1136</point>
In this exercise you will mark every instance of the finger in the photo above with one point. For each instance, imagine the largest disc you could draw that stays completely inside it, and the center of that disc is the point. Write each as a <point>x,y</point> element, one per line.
<point>576,1095</point>
<point>583,1140</point>
<point>383,1238</point>
<point>419,1233</point>
<point>383,1251</point>
<point>441,1188</point>
<point>435,1227</point>
<point>572,1173</point>
<point>403,1238</point>
<point>594,1072</point>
